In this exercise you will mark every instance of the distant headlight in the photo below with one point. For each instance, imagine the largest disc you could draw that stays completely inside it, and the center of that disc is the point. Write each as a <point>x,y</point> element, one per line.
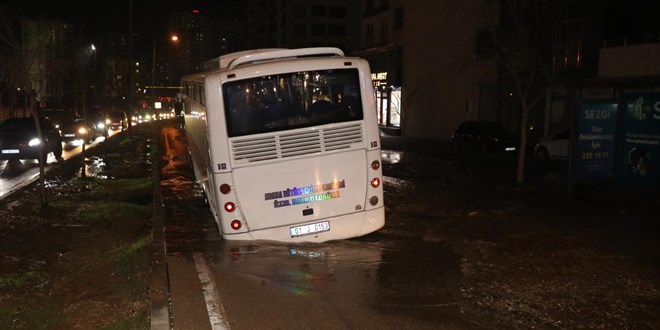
<point>34,142</point>
<point>107,121</point>
<point>82,130</point>
<point>100,125</point>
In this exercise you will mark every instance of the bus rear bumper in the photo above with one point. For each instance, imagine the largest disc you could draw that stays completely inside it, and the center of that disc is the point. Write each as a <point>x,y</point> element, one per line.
<point>341,227</point>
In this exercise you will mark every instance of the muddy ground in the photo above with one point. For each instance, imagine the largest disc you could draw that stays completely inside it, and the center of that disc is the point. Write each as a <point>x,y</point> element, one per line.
<point>530,258</point>
<point>82,261</point>
<point>533,256</point>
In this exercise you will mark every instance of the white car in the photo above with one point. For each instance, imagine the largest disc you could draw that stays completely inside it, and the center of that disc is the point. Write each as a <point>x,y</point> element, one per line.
<point>554,146</point>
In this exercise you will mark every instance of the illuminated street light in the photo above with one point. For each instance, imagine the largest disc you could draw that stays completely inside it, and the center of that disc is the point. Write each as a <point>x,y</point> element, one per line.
<point>173,38</point>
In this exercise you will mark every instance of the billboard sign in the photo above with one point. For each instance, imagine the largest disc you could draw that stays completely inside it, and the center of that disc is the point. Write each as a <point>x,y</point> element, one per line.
<point>639,159</point>
<point>596,142</point>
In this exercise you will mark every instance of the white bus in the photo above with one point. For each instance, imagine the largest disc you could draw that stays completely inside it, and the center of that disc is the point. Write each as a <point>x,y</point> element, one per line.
<point>285,144</point>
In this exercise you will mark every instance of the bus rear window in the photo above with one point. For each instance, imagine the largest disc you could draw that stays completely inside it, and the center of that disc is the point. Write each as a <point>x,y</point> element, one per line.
<point>291,100</point>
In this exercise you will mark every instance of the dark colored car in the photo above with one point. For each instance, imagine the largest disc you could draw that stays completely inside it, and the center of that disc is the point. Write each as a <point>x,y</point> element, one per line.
<point>78,129</point>
<point>19,139</point>
<point>116,120</point>
<point>484,136</point>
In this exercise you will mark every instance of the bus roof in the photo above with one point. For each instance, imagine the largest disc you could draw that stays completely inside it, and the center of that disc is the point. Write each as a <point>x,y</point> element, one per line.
<point>232,60</point>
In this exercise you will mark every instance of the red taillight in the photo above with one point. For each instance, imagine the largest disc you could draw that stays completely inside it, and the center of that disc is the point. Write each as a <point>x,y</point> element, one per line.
<point>235,225</point>
<point>230,207</point>
<point>225,188</point>
<point>375,182</point>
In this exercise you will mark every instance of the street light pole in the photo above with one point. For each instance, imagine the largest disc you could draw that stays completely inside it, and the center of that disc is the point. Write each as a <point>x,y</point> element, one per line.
<point>153,73</point>
<point>173,38</point>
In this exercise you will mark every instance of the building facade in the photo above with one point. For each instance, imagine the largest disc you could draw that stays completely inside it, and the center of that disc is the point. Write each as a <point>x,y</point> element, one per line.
<point>195,43</point>
<point>47,46</point>
<point>427,72</point>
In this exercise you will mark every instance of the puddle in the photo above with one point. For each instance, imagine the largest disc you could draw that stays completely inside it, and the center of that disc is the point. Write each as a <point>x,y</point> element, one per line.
<point>94,167</point>
<point>391,157</point>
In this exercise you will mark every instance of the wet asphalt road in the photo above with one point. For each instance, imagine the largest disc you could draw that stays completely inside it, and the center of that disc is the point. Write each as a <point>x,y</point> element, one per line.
<point>462,248</point>
<point>390,279</point>
<point>16,174</point>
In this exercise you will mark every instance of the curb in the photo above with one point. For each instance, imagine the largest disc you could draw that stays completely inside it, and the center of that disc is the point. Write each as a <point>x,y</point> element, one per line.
<point>159,280</point>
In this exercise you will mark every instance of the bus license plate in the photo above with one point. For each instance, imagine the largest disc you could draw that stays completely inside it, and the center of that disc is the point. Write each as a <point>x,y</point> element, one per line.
<point>310,229</point>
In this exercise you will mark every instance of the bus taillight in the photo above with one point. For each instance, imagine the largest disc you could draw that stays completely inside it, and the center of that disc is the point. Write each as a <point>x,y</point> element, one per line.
<point>235,225</point>
<point>230,207</point>
<point>375,165</point>
<point>375,182</point>
<point>225,188</point>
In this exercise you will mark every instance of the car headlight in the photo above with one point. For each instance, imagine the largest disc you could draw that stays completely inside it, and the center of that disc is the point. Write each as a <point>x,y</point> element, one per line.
<point>34,142</point>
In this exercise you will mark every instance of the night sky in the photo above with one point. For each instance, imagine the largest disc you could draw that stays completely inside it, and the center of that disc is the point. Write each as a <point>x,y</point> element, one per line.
<point>99,17</point>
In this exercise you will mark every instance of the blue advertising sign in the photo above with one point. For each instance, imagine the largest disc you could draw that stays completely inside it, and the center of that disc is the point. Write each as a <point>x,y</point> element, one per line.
<point>639,161</point>
<point>596,142</point>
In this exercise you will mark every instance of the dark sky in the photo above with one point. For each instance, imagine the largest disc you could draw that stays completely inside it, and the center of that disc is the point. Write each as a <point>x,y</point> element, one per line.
<point>105,16</point>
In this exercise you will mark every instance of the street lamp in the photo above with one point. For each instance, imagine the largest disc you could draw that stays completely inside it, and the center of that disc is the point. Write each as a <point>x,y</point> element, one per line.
<point>84,84</point>
<point>173,38</point>
<point>95,78</point>
<point>83,80</point>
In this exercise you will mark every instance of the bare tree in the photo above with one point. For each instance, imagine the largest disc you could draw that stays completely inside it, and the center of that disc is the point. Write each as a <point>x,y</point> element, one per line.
<point>21,58</point>
<point>115,78</point>
<point>523,42</point>
<point>10,52</point>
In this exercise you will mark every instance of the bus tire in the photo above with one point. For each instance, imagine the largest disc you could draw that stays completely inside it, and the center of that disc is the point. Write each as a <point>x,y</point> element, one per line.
<point>205,197</point>
<point>191,167</point>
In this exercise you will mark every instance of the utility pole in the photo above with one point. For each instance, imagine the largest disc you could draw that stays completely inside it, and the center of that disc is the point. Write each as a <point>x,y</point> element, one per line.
<point>153,74</point>
<point>129,113</point>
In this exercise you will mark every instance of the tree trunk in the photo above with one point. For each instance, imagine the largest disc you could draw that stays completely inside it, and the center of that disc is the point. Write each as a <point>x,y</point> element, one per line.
<point>522,147</point>
<point>42,162</point>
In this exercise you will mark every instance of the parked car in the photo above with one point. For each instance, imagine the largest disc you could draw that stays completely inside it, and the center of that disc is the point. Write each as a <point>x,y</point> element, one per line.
<point>76,129</point>
<point>484,136</point>
<point>19,139</point>
<point>554,146</point>
<point>116,120</point>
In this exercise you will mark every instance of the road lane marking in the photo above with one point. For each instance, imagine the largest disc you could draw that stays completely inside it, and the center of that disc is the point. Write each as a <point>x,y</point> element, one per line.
<point>211,296</point>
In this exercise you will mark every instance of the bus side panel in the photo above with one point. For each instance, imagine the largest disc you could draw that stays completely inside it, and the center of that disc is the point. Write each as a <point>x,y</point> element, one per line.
<point>196,133</point>
<point>217,127</point>
<point>369,105</point>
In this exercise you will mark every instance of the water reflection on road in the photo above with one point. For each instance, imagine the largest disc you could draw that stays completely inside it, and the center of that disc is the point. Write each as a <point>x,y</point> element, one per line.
<point>18,173</point>
<point>394,278</point>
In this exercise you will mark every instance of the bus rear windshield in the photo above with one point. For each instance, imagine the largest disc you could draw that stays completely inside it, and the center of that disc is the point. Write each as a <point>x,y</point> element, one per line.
<point>291,100</point>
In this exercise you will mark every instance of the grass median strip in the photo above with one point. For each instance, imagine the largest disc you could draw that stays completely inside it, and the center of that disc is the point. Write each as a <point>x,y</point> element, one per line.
<point>83,261</point>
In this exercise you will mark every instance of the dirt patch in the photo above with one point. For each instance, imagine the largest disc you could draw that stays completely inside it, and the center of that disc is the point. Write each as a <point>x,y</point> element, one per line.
<point>533,258</point>
<point>82,262</point>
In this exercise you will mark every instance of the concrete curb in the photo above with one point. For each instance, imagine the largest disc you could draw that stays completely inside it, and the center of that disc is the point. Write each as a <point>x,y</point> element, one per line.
<point>159,280</point>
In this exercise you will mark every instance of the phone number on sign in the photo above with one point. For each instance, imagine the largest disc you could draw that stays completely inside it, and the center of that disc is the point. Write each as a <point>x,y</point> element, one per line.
<point>595,155</point>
